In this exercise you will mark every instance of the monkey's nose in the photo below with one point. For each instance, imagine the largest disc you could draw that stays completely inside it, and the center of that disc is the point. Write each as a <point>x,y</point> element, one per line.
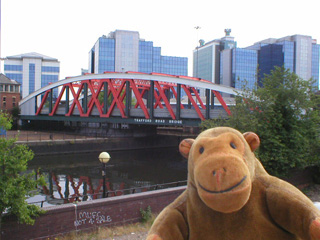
<point>218,175</point>
<point>219,171</point>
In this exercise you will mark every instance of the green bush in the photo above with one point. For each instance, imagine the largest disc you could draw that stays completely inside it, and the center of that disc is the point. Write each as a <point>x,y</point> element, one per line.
<point>15,184</point>
<point>146,215</point>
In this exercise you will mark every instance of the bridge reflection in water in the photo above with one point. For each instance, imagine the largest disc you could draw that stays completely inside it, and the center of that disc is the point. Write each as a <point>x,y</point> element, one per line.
<point>77,177</point>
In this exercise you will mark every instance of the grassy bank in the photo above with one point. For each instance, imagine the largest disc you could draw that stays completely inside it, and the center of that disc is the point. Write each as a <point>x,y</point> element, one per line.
<point>128,231</point>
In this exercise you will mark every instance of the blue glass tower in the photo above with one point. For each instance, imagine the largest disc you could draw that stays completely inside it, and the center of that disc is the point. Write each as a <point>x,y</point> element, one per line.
<point>244,68</point>
<point>270,56</point>
<point>122,51</point>
<point>315,63</point>
<point>145,57</point>
<point>288,54</point>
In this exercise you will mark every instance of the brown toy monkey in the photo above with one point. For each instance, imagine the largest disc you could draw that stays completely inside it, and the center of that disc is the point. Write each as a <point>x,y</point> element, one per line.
<point>231,196</point>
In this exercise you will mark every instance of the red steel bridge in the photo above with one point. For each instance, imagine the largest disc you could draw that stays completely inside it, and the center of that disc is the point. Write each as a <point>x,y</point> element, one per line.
<point>128,98</point>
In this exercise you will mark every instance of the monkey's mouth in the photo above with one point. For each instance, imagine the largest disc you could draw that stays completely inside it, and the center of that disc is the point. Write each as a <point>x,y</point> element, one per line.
<point>226,190</point>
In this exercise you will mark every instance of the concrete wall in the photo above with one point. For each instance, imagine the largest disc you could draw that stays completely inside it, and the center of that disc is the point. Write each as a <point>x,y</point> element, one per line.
<point>89,215</point>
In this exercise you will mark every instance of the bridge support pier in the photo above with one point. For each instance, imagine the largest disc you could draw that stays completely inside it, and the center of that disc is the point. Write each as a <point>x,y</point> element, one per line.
<point>208,94</point>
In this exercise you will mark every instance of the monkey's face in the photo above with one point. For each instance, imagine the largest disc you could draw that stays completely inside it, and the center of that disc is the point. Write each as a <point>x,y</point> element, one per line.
<point>218,168</point>
<point>221,174</point>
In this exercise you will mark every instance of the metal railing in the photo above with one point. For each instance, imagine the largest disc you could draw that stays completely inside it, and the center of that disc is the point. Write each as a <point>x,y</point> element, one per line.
<point>88,197</point>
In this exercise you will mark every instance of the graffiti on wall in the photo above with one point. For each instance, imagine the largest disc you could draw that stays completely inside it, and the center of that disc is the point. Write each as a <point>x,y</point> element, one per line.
<point>91,218</point>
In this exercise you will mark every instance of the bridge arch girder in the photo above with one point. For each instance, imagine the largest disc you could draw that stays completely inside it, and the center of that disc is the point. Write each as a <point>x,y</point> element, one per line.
<point>135,82</point>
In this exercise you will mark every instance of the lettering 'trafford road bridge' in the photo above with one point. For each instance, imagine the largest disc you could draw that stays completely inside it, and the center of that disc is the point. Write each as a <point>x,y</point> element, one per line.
<point>128,98</point>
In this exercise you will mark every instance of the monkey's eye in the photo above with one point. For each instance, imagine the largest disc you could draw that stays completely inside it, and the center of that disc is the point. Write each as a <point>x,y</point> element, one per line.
<point>201,150</point>
<point>233,145</point>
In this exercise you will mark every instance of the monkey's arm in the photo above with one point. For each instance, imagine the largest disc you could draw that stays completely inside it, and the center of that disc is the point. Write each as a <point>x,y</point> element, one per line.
<point>292,210</point>
<point>170,224</point>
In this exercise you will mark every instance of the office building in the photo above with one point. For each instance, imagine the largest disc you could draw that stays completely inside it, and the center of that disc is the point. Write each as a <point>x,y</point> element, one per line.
<point>221,62</point>
<point>299,53</point>
<point>9,93</point>
<point>206,57</point>
<point>123,51</point>
<point>238,68</point>
<point>32,70</point>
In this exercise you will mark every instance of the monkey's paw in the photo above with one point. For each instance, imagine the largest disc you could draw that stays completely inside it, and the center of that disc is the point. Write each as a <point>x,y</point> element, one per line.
<point>153,237</point>
<point>315,229</point>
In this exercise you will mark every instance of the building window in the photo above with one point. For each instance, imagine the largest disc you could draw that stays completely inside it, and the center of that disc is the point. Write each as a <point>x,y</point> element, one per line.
<point>48,79</point>
<point>32,77</point>
<point>13,101</point>
<point>6,88</point>
<point>15,76</point>
<point>13,68</point>
<point>11,88</point>
<point>16,88</point>
<point>4,101</point>
<point>50,69</point>
<point>1,88</point>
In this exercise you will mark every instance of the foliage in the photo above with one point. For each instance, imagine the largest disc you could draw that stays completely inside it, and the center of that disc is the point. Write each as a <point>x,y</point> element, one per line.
<point>5,121</point>
<point>15,184</point>
<point>146,215</point>
<point>101,98</point>
<point>15,112</point>
<point>110,98</point>
<point>285,115</point>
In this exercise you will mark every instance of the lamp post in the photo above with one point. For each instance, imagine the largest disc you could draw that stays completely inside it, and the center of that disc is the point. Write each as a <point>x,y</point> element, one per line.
<point>197,68</point>
<point>104,158</point>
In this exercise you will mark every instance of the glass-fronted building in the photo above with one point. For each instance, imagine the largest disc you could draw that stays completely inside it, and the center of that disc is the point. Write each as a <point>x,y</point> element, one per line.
<point>315,64</point>
<point>270,56</point>
<point>123,51</point>
<point>238,68</point>
<point>298,53</point>
<point>244,68</point>
<point>205,62</point>
<point>207,58</point>
<point>221,62</point>
<point>32,70</point>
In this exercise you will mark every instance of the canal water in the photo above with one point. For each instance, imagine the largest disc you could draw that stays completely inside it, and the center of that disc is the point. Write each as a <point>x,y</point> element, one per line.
<point>78,177</point>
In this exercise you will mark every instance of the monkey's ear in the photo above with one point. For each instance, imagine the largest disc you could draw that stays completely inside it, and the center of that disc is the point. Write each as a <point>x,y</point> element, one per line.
<point>252,139</point>
<point>184,147</point>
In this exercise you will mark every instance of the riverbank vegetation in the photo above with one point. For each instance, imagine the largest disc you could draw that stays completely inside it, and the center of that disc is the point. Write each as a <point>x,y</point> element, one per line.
<point>15,184</point>
<point>285,115</point>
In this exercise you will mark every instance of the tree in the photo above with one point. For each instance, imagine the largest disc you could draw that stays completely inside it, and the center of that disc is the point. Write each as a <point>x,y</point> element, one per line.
<point>110,98</point>
<point>285,115</point>
<point>15,184</point>
<point>15,112</point>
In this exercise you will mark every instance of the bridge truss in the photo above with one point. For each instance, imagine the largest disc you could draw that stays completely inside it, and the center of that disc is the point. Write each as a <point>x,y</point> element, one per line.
<point>128,98</point>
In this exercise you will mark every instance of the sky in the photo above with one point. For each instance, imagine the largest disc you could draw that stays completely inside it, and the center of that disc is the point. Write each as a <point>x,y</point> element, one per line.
<point>68,29</point>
